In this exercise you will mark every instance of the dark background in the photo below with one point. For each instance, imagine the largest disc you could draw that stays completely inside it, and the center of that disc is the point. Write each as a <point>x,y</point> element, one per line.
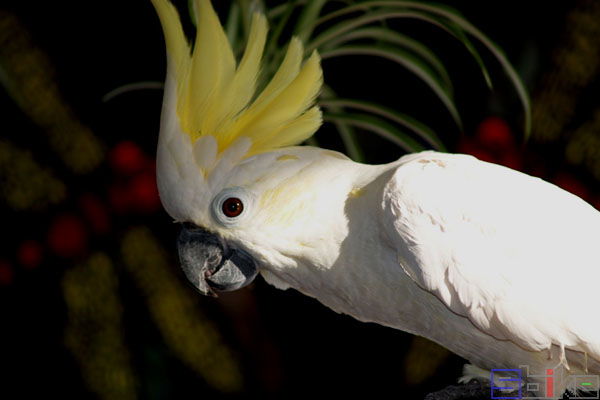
<point>87,261</point>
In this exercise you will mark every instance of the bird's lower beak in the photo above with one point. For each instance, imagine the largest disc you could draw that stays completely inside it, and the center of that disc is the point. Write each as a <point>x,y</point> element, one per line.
<point>210,264</point>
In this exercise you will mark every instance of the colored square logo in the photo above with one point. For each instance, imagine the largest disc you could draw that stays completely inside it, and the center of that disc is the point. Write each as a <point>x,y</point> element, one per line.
<point>510,385</point>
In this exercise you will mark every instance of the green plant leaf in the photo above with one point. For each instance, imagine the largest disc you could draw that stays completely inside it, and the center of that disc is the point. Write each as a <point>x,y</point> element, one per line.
<point>279,10</point>
<point>448,26</point>
<point>354,23</point>
<point>494,49</point>
<point>288,9</point>
<point>232,25</point>
<point>131,87</point>
<point>349,140</point>
<point>422,130</point>
<point>345,131</point>
<point>363,6</point>
<point>408,61</point>
<point>394,38</point>
<point>424,12</point>
<point>460,35</point>
<point>377,126</point>
<point>308,17</point>
<point>192,11</point>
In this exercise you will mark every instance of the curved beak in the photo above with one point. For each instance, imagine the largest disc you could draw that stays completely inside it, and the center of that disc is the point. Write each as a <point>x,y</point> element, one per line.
<point>210,265</point>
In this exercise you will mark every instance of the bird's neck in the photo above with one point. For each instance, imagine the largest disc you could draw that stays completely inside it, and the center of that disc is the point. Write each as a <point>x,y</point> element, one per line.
<point>345,262</point>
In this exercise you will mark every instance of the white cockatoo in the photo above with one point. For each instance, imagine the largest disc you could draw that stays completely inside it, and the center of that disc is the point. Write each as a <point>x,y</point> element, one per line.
<point>499,267</point>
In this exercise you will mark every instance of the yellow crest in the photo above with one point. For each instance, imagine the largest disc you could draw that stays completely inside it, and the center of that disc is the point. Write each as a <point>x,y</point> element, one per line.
<point>217,96</point>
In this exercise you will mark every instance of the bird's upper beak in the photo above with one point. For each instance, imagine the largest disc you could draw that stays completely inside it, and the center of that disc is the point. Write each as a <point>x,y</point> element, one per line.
<point>210,264</point>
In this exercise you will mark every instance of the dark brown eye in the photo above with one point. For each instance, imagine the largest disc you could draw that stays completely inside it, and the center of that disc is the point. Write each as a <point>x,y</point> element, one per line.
<point>232,207</point>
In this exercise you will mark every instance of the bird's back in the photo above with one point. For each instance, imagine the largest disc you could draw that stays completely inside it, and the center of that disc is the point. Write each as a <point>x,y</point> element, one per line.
<point>517,256</point>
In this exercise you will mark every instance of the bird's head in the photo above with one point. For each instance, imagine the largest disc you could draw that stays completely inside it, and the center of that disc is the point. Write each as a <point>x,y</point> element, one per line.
<point>226,166</point>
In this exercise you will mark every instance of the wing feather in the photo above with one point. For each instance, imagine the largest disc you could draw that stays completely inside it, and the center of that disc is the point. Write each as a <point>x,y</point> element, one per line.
<point>516,255</point>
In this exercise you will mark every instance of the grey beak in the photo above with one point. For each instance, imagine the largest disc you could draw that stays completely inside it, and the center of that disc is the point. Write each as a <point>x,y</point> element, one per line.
<point>209,264</point>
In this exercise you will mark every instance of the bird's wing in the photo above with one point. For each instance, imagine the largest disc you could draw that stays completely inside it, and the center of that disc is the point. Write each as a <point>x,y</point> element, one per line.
<point>516,255</point>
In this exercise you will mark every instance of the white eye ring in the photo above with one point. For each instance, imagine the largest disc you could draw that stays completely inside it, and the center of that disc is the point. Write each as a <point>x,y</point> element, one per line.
<point>246,199</point>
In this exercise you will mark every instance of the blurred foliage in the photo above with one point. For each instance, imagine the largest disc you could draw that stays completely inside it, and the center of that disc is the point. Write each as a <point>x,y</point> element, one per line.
<point>94,330</point>
<point>28,77</point>
<point>572,75</point>
<point>25,184</point>
<point>563,113</point>
<point>583,147</point>
<point>575,63</point>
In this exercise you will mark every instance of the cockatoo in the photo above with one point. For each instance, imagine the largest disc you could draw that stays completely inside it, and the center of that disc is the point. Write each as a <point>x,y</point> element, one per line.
<point>497,266</point>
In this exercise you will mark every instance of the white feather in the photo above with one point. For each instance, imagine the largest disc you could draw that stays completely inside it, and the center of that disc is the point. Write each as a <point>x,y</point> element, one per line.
<point>495,265</point>
<point>499,247</point>
<point>205,152</point>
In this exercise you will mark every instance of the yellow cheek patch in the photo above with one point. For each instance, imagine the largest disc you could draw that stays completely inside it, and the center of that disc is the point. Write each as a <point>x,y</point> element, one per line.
<point>287,157</point>
<point>357,192</point>
<point>285,204</point>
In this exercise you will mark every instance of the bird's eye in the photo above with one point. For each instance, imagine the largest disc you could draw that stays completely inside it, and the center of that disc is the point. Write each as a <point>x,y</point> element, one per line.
<point>232,207</point>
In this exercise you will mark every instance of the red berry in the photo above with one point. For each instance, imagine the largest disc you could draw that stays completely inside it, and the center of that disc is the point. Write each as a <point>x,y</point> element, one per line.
<point>469,147</point>
<point>67,236</point>
<point>95,213</point>
<point>7,273</point>
<point>495,134</point>
<point>145,193</point>
<point>127,158</point>
<point>30,254</point>
<point>120,198</point>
